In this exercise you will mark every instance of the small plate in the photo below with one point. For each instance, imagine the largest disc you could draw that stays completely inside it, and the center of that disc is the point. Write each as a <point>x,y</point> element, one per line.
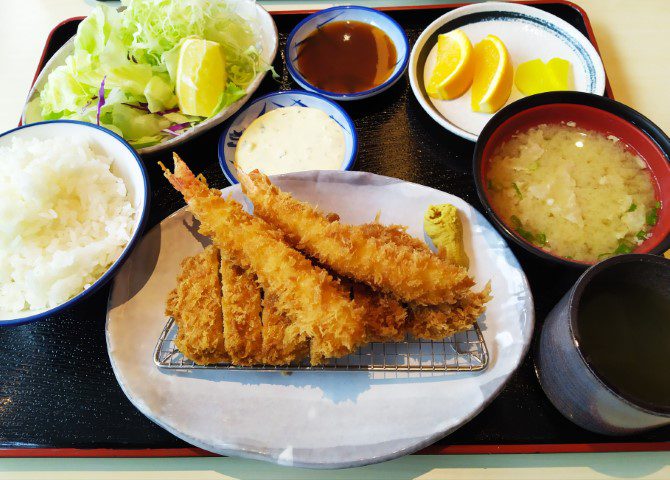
<point>528,33</point>
<point>342,13</point>
<point>319,419</point>
<point>235,127</point>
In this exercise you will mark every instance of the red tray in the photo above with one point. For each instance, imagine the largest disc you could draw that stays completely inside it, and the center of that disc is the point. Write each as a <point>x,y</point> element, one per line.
<point>441,447</point>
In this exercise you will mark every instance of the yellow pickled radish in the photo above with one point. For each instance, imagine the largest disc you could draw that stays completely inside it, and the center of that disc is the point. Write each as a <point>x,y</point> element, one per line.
<point>493,76</point>
<point>535,76</point>
<point>452,75</point>
<point>201,77</point>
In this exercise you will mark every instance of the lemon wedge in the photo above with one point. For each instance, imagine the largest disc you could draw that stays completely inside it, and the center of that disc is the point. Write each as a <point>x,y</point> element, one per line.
<point>492,83</point>
<point>453,71</point>
<point>535,76</point>
<point>201,77</point>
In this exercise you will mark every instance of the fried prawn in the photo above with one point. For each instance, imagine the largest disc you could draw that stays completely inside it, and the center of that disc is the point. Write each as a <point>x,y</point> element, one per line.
<point>410,274</point>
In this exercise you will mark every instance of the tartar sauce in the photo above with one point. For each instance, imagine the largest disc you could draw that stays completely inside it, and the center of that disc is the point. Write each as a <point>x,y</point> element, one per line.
<point>291,139</point>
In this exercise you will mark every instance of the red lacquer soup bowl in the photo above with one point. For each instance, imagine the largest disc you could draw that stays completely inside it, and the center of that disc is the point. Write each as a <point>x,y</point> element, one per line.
<point>592,112</point>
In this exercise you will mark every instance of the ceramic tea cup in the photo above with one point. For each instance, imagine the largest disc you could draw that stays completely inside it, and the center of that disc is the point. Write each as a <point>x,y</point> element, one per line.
<point>600,368</point>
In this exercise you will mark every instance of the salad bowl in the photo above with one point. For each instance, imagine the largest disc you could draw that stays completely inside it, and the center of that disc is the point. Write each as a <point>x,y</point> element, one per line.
<point>268,40</point>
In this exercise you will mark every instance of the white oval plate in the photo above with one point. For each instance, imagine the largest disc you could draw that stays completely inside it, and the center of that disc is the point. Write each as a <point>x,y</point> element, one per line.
<point>527,32</point>
<point>315,419</point>
<point>269,42</point>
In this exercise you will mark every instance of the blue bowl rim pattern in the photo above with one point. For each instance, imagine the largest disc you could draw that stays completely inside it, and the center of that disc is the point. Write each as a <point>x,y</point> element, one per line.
<point>226,126</point>
<point>576,295</point>
<point>345,96</point>
<point>111,271</point>
<point>649,128</point>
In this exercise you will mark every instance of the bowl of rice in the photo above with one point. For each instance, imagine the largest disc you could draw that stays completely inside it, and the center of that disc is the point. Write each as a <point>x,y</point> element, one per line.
<point>575,178</point>
<point>75,200</point>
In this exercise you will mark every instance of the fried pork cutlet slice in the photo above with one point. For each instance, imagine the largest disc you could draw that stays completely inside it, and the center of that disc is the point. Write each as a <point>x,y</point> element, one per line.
<point>410,274</point>
<point>309,296</point>
<point>196,307</point>
<point>241,305</point>
<point>435,322</point>
<point>282,343</point>
<point>385,318</point>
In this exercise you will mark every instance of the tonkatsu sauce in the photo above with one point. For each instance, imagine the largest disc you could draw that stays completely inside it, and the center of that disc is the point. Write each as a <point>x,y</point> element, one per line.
<point>347,57</point>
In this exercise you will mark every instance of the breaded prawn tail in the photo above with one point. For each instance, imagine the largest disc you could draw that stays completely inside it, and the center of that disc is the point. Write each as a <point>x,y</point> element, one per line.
<point>309,296</point>
<point>409,274</point>
<point>241,302</point>
<point>196,307</point>
<point>282,345</point>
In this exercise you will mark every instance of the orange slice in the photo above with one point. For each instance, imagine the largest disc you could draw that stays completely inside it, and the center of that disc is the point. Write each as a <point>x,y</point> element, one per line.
<point>453,71</point>
<point>493,76</point>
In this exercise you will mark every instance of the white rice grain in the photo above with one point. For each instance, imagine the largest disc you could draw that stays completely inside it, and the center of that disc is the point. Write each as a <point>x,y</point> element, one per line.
<point>65,219</point>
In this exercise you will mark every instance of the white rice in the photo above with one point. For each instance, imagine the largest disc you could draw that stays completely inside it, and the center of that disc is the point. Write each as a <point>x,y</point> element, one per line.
<point>65,218</point>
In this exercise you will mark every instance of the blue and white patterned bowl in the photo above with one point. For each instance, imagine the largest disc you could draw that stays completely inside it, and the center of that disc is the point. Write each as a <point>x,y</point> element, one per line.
<point>233,129</point>
<point>354,13</point>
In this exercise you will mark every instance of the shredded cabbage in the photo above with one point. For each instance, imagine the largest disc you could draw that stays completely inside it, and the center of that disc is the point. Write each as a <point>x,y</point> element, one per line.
<point>136,51</point>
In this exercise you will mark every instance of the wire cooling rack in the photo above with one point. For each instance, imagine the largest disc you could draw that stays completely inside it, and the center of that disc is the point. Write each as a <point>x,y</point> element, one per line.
<point>462,352</point>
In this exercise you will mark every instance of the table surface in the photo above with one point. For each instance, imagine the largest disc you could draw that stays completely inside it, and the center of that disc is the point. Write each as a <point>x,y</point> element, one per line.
<point>630,36</point>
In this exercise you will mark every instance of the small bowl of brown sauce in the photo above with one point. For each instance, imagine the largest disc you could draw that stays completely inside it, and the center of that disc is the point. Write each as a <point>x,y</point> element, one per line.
<point>347,53</point>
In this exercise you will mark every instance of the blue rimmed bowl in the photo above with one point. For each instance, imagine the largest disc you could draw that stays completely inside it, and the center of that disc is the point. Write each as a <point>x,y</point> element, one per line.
<point>352,13</point>
<point>235,127</point>
<point>126,164</point>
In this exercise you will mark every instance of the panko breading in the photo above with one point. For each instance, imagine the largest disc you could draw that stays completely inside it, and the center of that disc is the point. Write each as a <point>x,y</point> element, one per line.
<point>241,302</point>
<point>308,295</point>
<point>410,274</point>
<point>395,234</point>
<point>385,317</point>
<point>436,322</point>
<point>278,304</point>
<point>282,344</point>
<point>196,307</point>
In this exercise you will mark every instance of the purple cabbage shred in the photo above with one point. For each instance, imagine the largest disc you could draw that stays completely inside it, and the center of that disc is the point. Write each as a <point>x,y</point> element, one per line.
<point>101,98</point>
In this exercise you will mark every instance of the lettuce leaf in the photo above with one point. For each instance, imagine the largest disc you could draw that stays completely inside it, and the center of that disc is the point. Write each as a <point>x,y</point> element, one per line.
<point>137,124</point>
<point>160,94</point>
<point>230,95</point>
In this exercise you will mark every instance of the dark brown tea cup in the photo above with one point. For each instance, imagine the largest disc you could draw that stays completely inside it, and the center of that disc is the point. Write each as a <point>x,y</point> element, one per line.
<point>603,351</point>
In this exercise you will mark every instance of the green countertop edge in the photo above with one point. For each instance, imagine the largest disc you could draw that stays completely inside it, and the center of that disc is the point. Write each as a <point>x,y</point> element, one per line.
<point>648,465</point>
